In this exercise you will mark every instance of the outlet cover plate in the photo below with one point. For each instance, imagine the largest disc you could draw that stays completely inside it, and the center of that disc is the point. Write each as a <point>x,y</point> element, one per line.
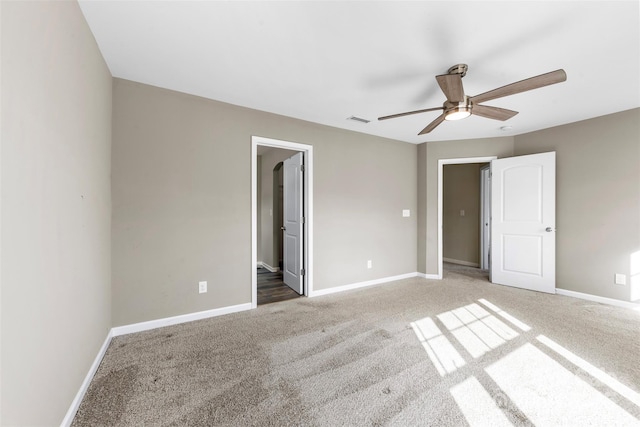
<point>202,287</point>
<point>620,279</point>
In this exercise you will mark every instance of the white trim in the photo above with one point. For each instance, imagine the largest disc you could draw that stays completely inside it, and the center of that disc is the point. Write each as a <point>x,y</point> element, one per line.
<point>71,413</point>
<point>485,216</point>
<point>362,284</point>
<point>460,262</point>
<point>168,321</point>
<point>596,298</point>
<point>429,276</point>
<point>268,267</point>
<point>308,206</point>
<point>441,163</point>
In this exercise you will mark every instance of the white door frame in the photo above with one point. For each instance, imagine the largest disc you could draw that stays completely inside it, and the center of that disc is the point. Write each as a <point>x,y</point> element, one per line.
<point>308,210</point>
<point>485,216</point>
<point>441,163</point>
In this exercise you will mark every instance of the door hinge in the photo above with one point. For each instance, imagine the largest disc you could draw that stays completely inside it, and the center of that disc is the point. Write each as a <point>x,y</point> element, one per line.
<point>301,168</point>
<point>302,220</point>
<point>302,272</point>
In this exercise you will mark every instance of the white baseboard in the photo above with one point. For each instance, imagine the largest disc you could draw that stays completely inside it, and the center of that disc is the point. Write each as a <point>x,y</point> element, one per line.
<point>429,276</point>
<point>361,284</point>
<point>460,262</point>
<point>71,413</point>
<point>268,267</point>
<point>595,298</point>
<point>168,321</point>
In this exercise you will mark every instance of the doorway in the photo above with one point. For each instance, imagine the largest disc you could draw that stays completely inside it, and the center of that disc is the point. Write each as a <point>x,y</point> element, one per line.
<point>464,227</point>
<point>522,220</point>
<point>271,286</point>
<point>267,206</point>
<point>460,211</point>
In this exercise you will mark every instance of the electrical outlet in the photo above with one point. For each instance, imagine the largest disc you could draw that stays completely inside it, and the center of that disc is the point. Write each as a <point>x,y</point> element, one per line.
<point>406,213</point>
<point>620,279</point>
<point>369,264</point>
<point>202,287</point>
<point>461,212</point>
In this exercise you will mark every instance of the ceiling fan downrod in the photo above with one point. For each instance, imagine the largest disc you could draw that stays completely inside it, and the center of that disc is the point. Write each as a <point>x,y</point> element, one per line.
<point>459,69</point>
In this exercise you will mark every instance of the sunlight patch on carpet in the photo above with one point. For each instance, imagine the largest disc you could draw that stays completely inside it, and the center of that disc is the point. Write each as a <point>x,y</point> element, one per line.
<point>539,388</point>
<point>547,393</point>
<point>477,405</point>
<point>476,329</point>
<point>522,326</point>
<point>441,352</point>
<point>599,374</point>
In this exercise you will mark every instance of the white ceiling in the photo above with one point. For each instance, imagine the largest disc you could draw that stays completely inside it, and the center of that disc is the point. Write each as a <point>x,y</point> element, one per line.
<point>326,61</point>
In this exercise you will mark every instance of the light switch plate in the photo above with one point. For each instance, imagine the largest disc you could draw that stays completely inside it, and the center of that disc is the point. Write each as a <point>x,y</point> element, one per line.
<point>406,213</point>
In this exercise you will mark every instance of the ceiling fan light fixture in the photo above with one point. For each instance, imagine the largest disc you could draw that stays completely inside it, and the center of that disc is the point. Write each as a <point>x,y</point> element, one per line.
<point>458,112</point>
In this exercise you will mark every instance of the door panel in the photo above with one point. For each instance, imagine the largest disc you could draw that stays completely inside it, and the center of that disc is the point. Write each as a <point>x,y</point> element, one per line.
<point>523,222</point>
<point>293,225</point>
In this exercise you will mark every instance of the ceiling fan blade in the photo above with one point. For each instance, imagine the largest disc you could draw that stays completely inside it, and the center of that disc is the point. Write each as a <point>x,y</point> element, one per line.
<point>432,125</point>
<point>536,82</point>
<point>492,112</point>
<point>393,116</point>
<point>451,85</point>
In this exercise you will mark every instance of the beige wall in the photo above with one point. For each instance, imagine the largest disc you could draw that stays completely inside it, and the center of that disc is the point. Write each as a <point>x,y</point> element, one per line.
<point>269,160</point>
<point>56,208</point>
<point>181,202</point>
<point>598,199</point>
<point>461,234</point>
<point>429,156</point>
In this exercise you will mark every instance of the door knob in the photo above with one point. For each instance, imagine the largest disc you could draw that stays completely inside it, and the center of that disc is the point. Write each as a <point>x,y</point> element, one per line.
<point>548,229</point>
<point>283,228</point>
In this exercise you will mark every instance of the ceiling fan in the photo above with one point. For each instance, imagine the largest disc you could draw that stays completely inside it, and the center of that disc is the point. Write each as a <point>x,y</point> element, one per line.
<point>458,105</point>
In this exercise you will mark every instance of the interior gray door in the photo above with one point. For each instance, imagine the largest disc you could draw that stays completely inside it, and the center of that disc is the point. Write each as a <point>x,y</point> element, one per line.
<point>293,222</point>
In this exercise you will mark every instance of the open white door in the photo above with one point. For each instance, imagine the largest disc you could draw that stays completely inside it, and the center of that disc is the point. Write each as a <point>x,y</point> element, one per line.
<point>293,223</point>
<point>523,221</point>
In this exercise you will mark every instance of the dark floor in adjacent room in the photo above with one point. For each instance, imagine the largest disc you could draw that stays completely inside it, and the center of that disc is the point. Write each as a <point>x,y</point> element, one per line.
<point>271,287</point>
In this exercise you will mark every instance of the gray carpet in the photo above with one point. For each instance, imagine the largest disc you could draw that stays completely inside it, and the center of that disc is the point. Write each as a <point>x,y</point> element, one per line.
<point>455,352</point>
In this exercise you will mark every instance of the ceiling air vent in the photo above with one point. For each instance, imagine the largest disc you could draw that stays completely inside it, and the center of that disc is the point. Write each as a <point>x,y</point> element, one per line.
<point>358,119</point>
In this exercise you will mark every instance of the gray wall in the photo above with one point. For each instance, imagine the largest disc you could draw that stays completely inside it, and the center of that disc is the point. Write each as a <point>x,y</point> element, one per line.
<point>56,208</point>
<point>461,234</point>
<point>428,160</point>
<point>598,199</point>
<point>181,202</point>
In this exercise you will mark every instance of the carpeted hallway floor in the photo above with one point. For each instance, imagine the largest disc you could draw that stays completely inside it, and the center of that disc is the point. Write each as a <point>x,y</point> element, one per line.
<point>460,351</point>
